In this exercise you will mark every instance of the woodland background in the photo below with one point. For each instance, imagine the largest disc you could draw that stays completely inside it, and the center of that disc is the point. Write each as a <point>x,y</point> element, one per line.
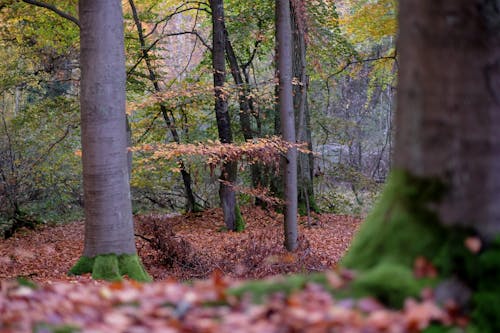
<point>426,259</point>
<point>350,84</point>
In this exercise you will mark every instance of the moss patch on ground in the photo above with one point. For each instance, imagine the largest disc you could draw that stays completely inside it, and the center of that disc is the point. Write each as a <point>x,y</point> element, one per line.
<point>112,267</point>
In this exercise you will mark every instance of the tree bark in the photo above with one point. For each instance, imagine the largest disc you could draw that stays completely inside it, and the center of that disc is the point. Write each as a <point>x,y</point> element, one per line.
<point>448,116</point>
<point>232,217</point>
<point>191,204</point>
<point>109,229</point>
<point>443,192</point>
<point>284,41</point>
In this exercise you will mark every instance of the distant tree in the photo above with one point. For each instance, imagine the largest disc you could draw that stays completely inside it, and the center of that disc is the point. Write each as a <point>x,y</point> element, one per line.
<point>305,164</point>
<point>245,100</point>
<point>440,207</point>
<point>287,119</point>
<point>191,205</point>
<point>232,215</point>
<point>109,250</point>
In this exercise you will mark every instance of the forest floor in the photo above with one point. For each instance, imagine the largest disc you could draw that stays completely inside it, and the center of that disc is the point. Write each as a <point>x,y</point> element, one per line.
<point>191,246</point>
<point>195,247</point>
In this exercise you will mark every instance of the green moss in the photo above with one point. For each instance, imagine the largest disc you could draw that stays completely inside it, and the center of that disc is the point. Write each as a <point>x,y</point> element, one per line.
<point>302,206</point>
<point>46,328</point>
<point>259,289</point>
<point>390,283</point>
<point>239,224</point>
<point>486,299</point>
<point>401,228</point>
<point>401,225</point>
<point>442,329</point>
<point>112,267</point>
<point>131,266</point>
<point>106,268</point>
<point>22,281</point>
<point>83,265</point>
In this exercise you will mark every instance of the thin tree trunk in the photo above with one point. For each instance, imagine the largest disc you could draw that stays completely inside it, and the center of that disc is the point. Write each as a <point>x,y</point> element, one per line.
<point>284,41</point>
<point>108,211</point>
<point>232,217</point>
<point>186,176</point>
<point>245,101</point>
<point>302,116</point>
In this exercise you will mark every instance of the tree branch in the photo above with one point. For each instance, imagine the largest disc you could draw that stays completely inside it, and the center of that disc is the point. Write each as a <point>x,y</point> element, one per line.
<point>192,32</point>
<point>349,63</point>
<point>54,9</point>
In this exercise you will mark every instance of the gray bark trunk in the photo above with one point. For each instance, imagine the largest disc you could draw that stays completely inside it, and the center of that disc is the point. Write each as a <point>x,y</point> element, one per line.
<point>108,211</point>
<point>448,117</point>
<point>228,170</point>
<point>245,102</point>
<point>284,41</point>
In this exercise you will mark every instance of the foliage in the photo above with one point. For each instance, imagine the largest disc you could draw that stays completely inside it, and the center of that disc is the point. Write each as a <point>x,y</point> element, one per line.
<point>38,60</point>
<point>264,150</point>
<point>39,119</point>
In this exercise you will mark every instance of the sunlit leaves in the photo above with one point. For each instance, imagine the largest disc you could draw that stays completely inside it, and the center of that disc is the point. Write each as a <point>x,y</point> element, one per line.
<point>263,150</point>
<point>369,20</point>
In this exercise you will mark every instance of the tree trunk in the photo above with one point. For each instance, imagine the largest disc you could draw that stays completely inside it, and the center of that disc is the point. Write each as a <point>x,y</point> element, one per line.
<point>191,204</point>
<point>450,122</point>
<point>305,165</point>
<point>109,249</point>
<point>443,192</point>
<point>232,216</point>
<point>284,41</point>
<point>245,102</point>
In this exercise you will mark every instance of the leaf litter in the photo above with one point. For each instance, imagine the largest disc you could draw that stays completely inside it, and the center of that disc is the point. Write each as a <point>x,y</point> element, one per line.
<point>215,261</point>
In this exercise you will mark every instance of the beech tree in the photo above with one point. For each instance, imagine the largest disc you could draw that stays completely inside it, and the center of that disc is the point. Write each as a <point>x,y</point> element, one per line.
<point>109,250</point>
<point>440,206</point>
<point>287,120</point>
<point>232,215</point>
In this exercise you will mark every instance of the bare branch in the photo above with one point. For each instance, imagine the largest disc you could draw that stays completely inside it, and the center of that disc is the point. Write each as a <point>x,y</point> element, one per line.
<point>54,9</point>
<point>178,10</point>
<point>192,32</point>
<point>349,63</point>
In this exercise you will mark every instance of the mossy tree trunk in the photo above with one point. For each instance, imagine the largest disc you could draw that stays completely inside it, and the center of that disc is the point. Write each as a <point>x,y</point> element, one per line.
<point>109,229</point>
<point>444,188</point>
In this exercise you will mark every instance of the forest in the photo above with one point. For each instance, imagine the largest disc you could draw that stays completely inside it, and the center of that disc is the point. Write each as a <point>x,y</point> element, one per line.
<point>249,166</point>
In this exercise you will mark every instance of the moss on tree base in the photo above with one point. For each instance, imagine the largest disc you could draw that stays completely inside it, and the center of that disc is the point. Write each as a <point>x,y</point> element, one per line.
<point>303,205</point>
<point>402,228</point>
<point>112,267</point>
<point>239,224</point>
